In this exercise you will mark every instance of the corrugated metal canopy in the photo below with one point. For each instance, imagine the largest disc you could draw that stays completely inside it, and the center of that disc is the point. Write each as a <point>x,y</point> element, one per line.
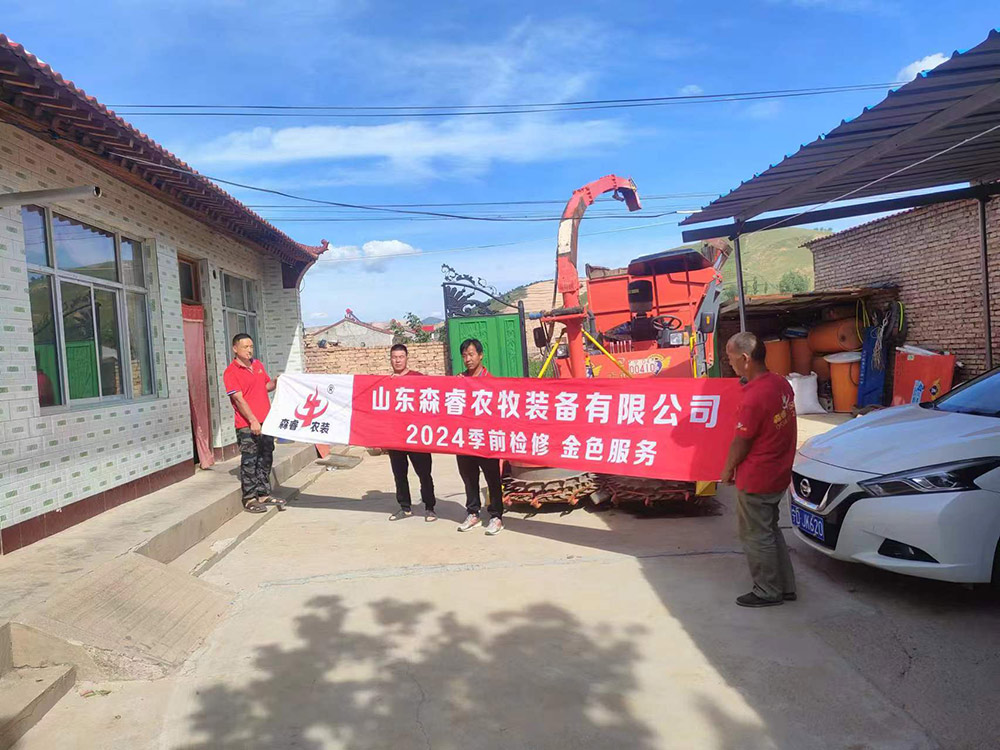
<point>958,100</point>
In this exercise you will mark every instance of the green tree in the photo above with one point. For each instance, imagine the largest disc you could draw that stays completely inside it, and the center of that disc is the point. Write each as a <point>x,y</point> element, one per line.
<point>793,282</point>
<point>412,329</point>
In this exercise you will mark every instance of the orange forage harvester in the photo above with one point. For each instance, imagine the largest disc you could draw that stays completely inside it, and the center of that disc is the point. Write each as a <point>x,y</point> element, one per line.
<point>654,318</point>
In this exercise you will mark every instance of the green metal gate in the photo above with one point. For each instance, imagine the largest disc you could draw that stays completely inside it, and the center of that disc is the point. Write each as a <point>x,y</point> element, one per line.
<point>472,311</point>
<point>504,354</point>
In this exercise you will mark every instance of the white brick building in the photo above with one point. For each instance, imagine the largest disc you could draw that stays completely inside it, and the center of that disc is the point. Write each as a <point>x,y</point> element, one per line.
<point>94,386</point>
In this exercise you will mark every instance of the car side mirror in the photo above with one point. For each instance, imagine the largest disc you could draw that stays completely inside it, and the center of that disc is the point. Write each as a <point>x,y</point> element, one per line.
<point>706,323</point>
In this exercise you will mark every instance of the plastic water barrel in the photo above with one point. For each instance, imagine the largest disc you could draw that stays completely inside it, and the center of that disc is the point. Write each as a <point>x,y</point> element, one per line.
<point>802,356</point>
<point>845,377</point>
<point>835,336</point>
<point>822,368</point>
<point>779,356</point>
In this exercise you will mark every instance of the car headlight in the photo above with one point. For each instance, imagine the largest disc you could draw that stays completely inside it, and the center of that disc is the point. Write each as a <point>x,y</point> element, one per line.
<point>953,477</point>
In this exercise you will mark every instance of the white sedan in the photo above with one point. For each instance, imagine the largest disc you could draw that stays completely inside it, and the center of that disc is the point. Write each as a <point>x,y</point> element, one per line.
<point>913,489</point>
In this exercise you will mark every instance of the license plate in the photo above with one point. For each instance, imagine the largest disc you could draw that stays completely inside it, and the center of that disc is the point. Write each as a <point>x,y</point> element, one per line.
<point>809,522</point>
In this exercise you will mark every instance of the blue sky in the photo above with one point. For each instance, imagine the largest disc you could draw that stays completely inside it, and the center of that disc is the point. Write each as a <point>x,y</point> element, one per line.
<point>367,52</point>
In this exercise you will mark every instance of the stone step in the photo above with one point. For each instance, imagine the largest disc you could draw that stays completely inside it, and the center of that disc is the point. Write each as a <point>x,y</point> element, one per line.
<point>139,617</point>
<point>27,694</point>
<point>213,548</point>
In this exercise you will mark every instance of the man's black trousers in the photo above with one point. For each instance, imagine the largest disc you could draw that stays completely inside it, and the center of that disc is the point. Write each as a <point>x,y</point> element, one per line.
<point>469,468</point>
<point>422,466</point>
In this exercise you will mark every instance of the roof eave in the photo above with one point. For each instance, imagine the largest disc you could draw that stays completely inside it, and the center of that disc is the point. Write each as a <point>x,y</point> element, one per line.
<point>39,100</point>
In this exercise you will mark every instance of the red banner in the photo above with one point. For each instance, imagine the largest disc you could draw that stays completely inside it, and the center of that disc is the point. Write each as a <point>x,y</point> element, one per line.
<point>676,429</point>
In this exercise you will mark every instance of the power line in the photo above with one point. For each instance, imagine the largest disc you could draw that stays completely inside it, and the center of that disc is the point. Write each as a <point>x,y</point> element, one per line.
<point>468,248</point>
<point>337,204</point>
<point>464,110</point>
<point>559,202</point>
<point>506,218</point>
<point>679,97</point>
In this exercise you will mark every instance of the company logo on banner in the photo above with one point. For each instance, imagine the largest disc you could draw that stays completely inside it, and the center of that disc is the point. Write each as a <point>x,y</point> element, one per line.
<point>312,409</point>
<point>663,428</point>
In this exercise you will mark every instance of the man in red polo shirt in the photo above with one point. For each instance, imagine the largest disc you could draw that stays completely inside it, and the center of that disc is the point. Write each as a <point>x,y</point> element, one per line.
<point>399,460</point>
<point>247,385</point>
<point>760,459</point>
<point>470,466</point>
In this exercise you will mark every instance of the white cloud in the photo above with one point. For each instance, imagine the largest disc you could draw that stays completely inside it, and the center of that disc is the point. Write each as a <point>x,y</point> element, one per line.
<point>879,7</point>
<point>318,315</point>
<point>767,110</point>
<point>373,255</point>
<point>912,70</point>
<point>530,62</point>
<point>417,150</point>
<point>691,89</point>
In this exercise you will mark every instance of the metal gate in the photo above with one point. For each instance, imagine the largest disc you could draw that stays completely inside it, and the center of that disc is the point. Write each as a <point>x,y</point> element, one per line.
<point>470,310</point>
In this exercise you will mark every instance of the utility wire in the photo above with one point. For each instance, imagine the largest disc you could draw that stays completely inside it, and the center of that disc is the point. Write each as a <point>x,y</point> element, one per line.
<point>468,248</point>
<point>361,207</point>
<point>679,97</point>
<point>559,202</point>
<point>587,217</point>
<point>464,110</point>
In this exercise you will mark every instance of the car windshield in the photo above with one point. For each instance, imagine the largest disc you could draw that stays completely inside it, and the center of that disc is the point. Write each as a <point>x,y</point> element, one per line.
<point>980,396</point>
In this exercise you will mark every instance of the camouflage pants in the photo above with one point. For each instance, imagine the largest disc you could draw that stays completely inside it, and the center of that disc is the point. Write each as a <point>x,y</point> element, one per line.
<point>257,454</point>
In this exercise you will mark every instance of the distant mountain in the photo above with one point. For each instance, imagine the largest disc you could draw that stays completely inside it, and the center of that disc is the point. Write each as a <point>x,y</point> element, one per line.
<point>767,256</point>
<point>431,321</point>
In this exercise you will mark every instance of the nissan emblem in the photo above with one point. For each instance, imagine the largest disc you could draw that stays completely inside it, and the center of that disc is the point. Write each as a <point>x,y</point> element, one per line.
<point>805,488</point>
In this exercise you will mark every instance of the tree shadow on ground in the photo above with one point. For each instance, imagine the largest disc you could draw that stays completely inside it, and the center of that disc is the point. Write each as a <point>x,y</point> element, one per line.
<point>536,678</point>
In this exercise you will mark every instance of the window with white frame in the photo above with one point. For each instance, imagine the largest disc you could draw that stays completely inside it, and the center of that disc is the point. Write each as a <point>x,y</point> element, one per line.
<point>89,311</point>
<point>239,304</point>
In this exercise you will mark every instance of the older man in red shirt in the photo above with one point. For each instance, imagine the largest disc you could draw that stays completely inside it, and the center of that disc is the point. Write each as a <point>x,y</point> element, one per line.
<point>760,461</point>
<point>247,385</point>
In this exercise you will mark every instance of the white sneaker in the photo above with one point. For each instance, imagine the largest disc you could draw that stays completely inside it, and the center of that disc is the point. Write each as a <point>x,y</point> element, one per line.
<point>494,527</point>
<point>470,522</point>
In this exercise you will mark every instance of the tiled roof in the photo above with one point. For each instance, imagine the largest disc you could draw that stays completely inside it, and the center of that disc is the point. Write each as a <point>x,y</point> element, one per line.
<point>36,98</point>
<point>348,318</point>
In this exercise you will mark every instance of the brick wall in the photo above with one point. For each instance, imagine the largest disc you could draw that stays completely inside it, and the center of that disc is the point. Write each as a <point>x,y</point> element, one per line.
<point>428,358</point>
<point>932,254</point>
<point>51,460</point>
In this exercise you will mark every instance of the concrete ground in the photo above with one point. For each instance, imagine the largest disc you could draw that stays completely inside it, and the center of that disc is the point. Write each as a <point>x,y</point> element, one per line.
<point>586,630</point>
